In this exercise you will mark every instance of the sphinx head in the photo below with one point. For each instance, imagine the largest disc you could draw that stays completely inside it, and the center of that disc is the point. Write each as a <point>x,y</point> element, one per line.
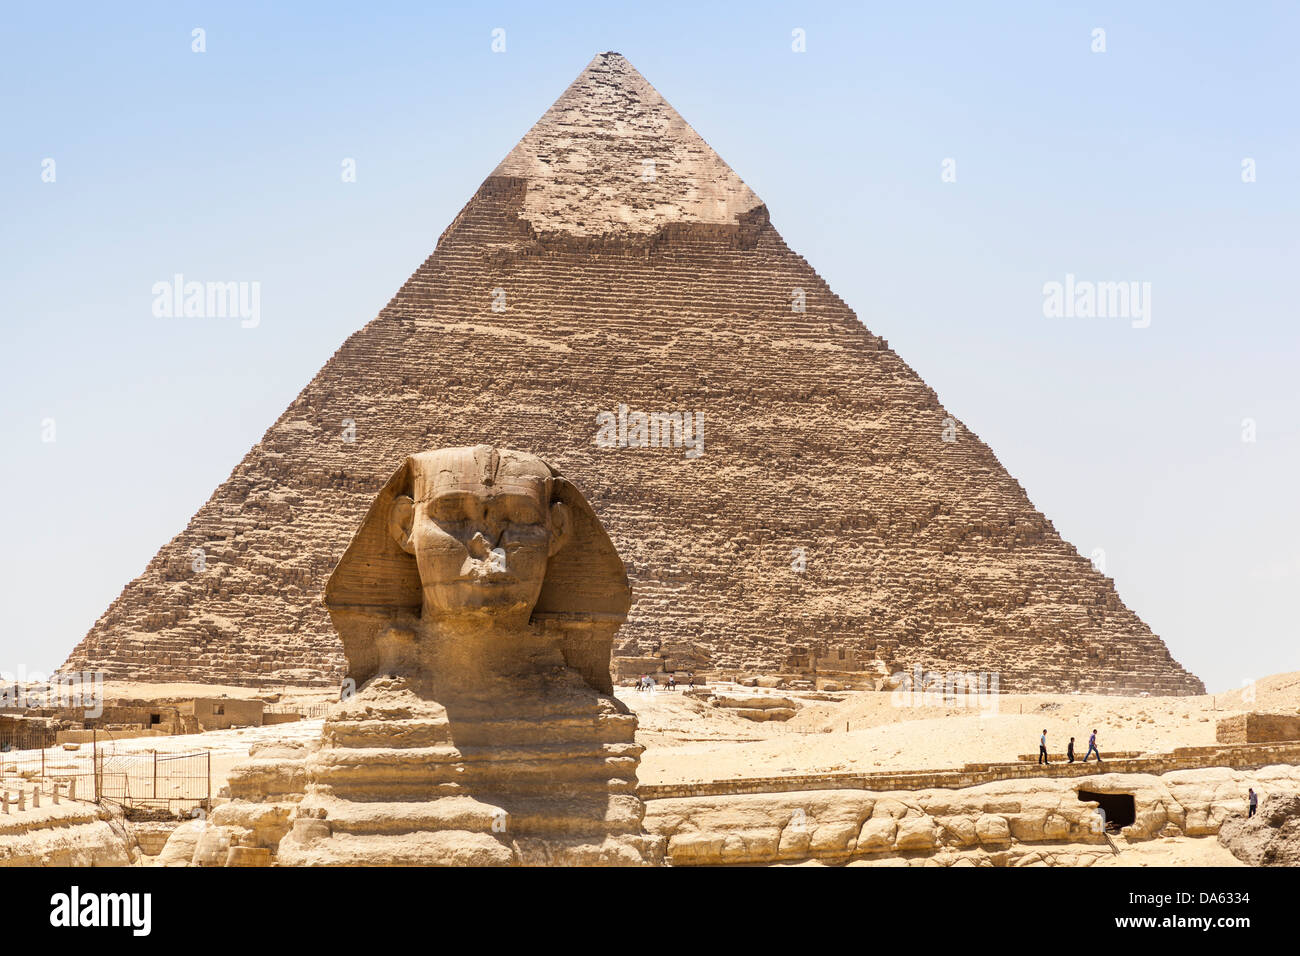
<point>482,525</point>
<point>462,538</point>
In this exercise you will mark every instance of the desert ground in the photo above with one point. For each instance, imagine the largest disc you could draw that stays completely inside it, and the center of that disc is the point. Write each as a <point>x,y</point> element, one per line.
<point>688,740</point>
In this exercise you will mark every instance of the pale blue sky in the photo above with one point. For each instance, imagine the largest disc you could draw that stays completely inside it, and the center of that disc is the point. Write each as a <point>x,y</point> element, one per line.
<point>1123,165</point>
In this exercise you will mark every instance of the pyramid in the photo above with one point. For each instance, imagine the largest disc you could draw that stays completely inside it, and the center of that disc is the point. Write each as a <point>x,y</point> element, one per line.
<point>614,267</point>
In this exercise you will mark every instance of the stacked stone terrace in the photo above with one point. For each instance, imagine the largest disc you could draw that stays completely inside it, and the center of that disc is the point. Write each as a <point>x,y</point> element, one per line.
<point>635,268</point>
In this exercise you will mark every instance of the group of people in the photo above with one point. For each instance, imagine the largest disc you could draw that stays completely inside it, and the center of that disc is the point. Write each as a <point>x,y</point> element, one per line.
<point>1069,750</point>
<point>1252,798</point>
<point>648,685</point>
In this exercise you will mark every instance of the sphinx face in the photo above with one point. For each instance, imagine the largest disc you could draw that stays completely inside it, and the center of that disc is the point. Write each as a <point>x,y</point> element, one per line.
<point>482,528</point>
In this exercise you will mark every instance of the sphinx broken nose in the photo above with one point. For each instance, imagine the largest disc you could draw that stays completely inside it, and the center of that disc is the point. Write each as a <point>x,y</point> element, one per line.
<point>480,550</point>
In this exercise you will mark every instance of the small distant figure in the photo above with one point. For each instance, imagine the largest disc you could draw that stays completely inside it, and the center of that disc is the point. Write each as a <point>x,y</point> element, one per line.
<point>690,680</point>
<point>1092,748</point>
<point>1252,802</point>
<point>1069,750</point>
<point>672,682</point>
<point>1042,748</point>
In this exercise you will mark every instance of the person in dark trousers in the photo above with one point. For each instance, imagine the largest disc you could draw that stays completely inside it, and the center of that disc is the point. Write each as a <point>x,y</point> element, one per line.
<point>1252,803</point>
<point>1042,749</point>
<point>1092,748</point>
<point>1069,750</point>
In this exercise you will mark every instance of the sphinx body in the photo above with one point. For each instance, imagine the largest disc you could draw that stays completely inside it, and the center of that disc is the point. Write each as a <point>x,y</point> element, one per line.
<point>457,778</point>
<point>477,606</point>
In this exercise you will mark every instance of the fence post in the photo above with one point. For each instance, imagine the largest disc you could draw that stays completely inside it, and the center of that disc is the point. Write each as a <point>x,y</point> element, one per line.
<point>155,775</point>
<point>207,804</point>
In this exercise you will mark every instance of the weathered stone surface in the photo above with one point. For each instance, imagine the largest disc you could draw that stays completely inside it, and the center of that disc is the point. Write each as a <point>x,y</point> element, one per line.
<point>635,268</point>
<point>248,856</point>
<point>1006,823</point>
<point>1254,728</point>
<point>1271,837</point>
<point>759,707</point>
<point>69,833</point>
<point>992,829</point>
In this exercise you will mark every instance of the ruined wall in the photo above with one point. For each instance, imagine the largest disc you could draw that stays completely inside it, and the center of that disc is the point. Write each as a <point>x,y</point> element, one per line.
<point>1257,728</point>
<point>221,713</point>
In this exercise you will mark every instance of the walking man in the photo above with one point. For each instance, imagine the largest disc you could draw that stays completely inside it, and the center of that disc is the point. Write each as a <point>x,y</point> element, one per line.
<point>1069,750</point>
<point>1042,748</point>
<point>1252,803</point>
<point>1092,748</point>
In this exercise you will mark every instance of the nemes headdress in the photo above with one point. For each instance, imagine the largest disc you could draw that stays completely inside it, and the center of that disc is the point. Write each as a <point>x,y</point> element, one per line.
<point>376,584</point>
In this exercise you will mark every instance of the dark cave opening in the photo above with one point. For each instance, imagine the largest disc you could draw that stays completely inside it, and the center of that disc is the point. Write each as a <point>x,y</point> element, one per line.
<point>1120,809</point>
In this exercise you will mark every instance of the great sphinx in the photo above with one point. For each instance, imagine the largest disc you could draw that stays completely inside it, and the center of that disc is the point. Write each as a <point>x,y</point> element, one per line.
<point>477,606</point>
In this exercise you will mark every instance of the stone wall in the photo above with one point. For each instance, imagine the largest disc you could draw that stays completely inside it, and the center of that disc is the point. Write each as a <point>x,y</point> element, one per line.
<point>221,713</point>
<point>1257,728</point>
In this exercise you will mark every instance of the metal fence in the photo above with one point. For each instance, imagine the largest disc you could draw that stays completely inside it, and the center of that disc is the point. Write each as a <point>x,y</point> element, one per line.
<point>306,711</point>
<point>29,756</point>
<point>178,782</point>
<point>97,771</point>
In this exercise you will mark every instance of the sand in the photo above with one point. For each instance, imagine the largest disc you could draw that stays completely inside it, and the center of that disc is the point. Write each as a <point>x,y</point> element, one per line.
<point>688,741</point>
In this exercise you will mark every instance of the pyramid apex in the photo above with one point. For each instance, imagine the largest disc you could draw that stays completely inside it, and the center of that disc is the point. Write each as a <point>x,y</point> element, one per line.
<point>611,157</point>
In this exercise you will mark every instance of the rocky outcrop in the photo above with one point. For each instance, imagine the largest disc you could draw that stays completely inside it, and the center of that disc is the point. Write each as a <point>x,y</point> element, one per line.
<point>758,707</point>
<point>1271,837</point>
<point>1008,822</point>
<point>70,833</point>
